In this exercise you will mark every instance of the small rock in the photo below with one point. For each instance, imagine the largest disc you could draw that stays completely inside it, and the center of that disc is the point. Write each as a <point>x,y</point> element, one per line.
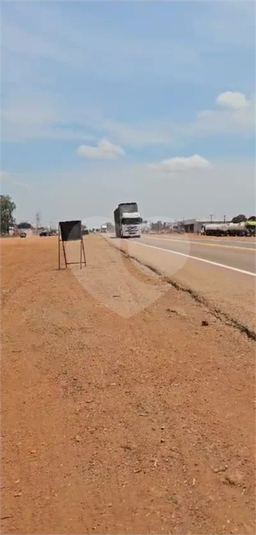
<point>204,323</point>
<point>126,446</point>
<point>171,498</point>
<point>220,469</point>
<point>78,438</point>
<point>233,478</point>
<point>33,452</point>
<point>17,494</point>
<point>162,440</point>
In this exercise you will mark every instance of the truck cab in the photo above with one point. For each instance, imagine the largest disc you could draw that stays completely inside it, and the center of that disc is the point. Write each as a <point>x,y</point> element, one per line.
<point>131,225</point>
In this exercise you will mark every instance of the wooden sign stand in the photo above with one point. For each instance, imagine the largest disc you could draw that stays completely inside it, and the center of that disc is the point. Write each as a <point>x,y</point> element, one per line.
<point>70,231</point>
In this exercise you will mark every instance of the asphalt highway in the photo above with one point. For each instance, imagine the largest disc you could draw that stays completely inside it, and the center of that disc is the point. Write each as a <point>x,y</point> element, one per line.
<point>236,254</point>
<point>221,270</point>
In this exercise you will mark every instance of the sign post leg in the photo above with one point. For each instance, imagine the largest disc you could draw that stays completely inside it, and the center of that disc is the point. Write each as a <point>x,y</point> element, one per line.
<point>84,252</point>
<point>59,248</point>
<point>64,253</point>
<point>81,253</point>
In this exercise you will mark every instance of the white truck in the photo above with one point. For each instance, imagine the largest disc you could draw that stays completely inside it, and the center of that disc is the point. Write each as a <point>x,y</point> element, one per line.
<point>127,220</point>
<point>225,229</point>
<point>213,229</point>
<point>237,229</point>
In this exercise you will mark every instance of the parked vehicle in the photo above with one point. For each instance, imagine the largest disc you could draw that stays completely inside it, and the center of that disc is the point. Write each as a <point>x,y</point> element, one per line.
<point>213,229</point>
<point>225,229</point>
<point>237,229</point>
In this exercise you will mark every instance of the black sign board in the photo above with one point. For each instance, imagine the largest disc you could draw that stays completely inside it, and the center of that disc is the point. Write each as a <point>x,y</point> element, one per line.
<point>71,230</point>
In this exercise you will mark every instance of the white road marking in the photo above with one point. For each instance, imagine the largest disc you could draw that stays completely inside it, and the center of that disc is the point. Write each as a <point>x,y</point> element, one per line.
<point>199,259</point>
<point>202,239</point>
<point>201,242</point>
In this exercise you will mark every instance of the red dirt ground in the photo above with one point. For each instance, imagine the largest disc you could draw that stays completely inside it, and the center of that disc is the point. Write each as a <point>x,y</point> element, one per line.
<point>116,425</point>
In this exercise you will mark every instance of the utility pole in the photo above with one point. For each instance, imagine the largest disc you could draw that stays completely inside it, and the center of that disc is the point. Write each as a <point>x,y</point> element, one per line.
<point>211,216</point>
<point>38,217</point>
<point>224,217</point>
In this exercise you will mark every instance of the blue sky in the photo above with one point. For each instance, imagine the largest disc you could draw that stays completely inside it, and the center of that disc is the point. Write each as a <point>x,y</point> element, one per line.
<point>110,101</point>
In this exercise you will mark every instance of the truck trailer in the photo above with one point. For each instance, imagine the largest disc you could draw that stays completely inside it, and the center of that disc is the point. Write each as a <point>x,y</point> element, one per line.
<point>225,229</point>
<point>127,220</point>
<point>213,229</point>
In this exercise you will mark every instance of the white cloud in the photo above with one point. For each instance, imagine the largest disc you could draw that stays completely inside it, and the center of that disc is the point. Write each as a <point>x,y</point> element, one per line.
<point>138,135</point>
<point>42,115</point>
<point>4,175</point>
<point>182,164</point>
<point>233,99</point>
<point>104,151</point>
<point>234,114</point>
<point>7,177</point>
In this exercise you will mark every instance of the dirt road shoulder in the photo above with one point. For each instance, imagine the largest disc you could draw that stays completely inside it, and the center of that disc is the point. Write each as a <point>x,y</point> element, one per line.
<point>133,423</point>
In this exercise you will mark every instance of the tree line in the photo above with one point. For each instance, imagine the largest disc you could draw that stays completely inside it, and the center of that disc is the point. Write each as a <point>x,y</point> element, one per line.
<point>7,207</point>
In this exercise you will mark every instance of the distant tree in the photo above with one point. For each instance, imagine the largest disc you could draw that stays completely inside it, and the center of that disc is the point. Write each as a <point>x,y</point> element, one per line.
<point>239,218</point>
<point>7,207</point>
<point>252,218</point>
